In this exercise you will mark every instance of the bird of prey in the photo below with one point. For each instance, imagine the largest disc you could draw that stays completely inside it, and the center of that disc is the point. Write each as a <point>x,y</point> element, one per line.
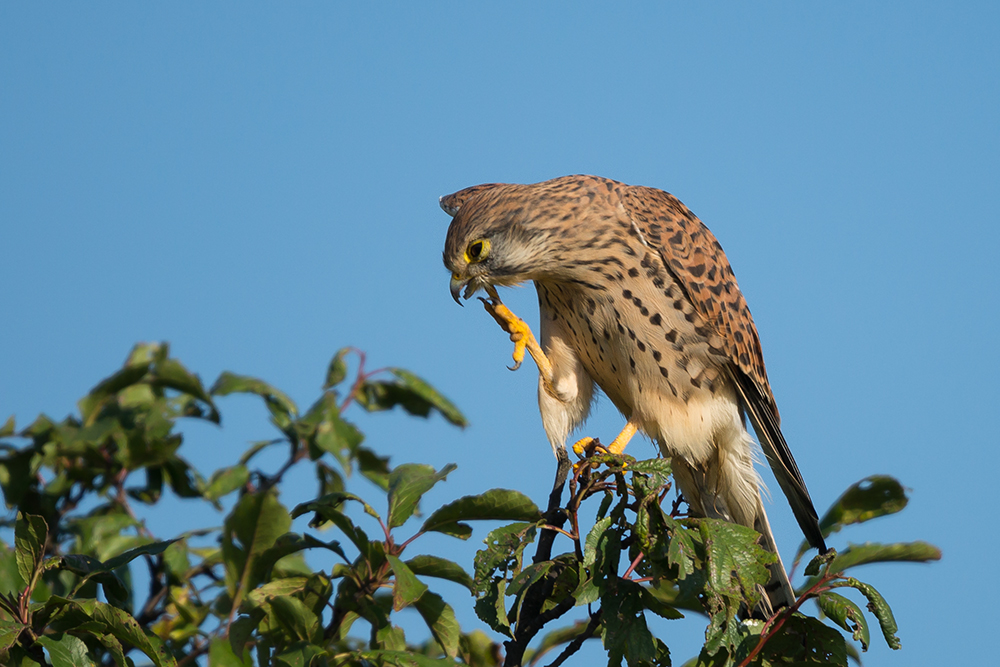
<point>636,296</point>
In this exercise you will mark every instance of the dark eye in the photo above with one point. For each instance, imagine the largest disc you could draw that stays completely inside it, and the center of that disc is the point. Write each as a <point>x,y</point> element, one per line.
<point>477,251</point>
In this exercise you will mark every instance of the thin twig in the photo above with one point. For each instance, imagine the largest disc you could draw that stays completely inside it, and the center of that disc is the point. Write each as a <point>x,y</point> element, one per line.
<point>560,530</point>
<point>631,567</point>
<point>778,619</point>
<point>577,642</point>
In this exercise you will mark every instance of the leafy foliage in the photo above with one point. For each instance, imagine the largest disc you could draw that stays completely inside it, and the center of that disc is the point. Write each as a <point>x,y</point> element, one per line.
<point>243,594</point>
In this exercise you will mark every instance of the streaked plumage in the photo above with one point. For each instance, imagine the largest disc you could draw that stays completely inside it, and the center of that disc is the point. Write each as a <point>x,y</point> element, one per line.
<point>637,296</point>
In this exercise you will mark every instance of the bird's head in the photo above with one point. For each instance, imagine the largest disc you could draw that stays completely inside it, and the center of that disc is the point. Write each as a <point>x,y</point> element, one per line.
<point>490,240</point>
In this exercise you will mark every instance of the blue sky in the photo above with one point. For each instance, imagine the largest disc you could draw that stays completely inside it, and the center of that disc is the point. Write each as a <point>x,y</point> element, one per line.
<point>258,185</point>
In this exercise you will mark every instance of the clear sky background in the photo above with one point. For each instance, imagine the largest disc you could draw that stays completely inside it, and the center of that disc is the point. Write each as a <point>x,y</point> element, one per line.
<point>258,184</point>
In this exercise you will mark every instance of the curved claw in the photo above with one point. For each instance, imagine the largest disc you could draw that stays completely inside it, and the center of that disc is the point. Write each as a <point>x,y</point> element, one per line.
<point>519,332</point>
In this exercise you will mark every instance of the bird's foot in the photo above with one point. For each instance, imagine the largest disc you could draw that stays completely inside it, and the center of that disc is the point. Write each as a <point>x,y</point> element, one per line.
<point>587,447</point>
<point>621,441</point>
<point>581,445</point>
<point>520,335</point>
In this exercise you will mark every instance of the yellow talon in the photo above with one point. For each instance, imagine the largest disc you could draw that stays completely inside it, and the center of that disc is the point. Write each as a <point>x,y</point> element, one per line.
<point>581,446</point>
<point>618,445</point>
<point>520,335</point>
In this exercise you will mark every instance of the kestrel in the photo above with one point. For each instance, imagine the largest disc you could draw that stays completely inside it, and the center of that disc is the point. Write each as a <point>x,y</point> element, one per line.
<point>636,296</point>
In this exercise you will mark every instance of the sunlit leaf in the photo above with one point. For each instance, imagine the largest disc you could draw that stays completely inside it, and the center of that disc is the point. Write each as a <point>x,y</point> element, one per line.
<point>226,480</point>
<point>592,540</point>
<point>337,370</point>
<point>406,588</point>
<point>495,504</point>
<point>30,532</point>
<point>440,618</point>
<point>66,651</point>
<point>255,523</point>
<point>441,568</point>
<point>862,554</point>
<point>407,484</point>
<point>282,408</point>
<point>295,618</point>
<point>422,389</point>
<point>404,659</point>
<point>220,654</point>
<point>172,374</point>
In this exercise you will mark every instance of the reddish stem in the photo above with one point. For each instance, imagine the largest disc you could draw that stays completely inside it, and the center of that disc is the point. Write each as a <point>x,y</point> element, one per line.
<point>778,619</point>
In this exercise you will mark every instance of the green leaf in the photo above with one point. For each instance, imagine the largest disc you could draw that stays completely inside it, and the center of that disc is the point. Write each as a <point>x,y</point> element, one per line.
<point>256,522</point>
<point>291,543</point>
<point>30,532</point>
<point>300,654</point>
<point>100,618</point>
<point>332,501</point>
<point>9,632</point>
<point>326,431</point>
<point>409,391</point>
<point>151,549</point>
<point>593,539</point>
<point>297,620</point>
<point>8,427</point>
<point>420,388</point>
<point>220,654</point>
<point>92,569</point>
<point>226,480</point>
<point>737,572</point>
<point>878,606</point>
<point>626,633</point>
<point>390,637</point>
<point>133,373</point>
<point>406,589</point>
<point>184,480</point>
<point>440,568</point>
<point>337,370</point>
<point>330,481</point>
<point>326,512</point>
<point>440,618</point>
<point>373,467</point>
<point>490,607</point>
<point>277,588</point>
<point>282,408</point>
<point>681,551</point>
<point>872,497</point>
<point>527,577</point>
<point>407,484</point>
<point>404,659</point>
<point>150,494</point>
<point>657,467</point>
<point>504,552</point>
<point>241,631</point>
<point>847,615</point>
<point>16,476</point>
<point>172,374</point>
<point>862,554</point>
<point>803,641</point>
<point>66,651</point>
<point>114,647</point>
<point>495,504</point>
<point>256,448</point>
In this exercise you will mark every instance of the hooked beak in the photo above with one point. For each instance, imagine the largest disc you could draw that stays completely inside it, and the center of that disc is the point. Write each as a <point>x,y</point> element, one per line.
<point>457,283</point>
